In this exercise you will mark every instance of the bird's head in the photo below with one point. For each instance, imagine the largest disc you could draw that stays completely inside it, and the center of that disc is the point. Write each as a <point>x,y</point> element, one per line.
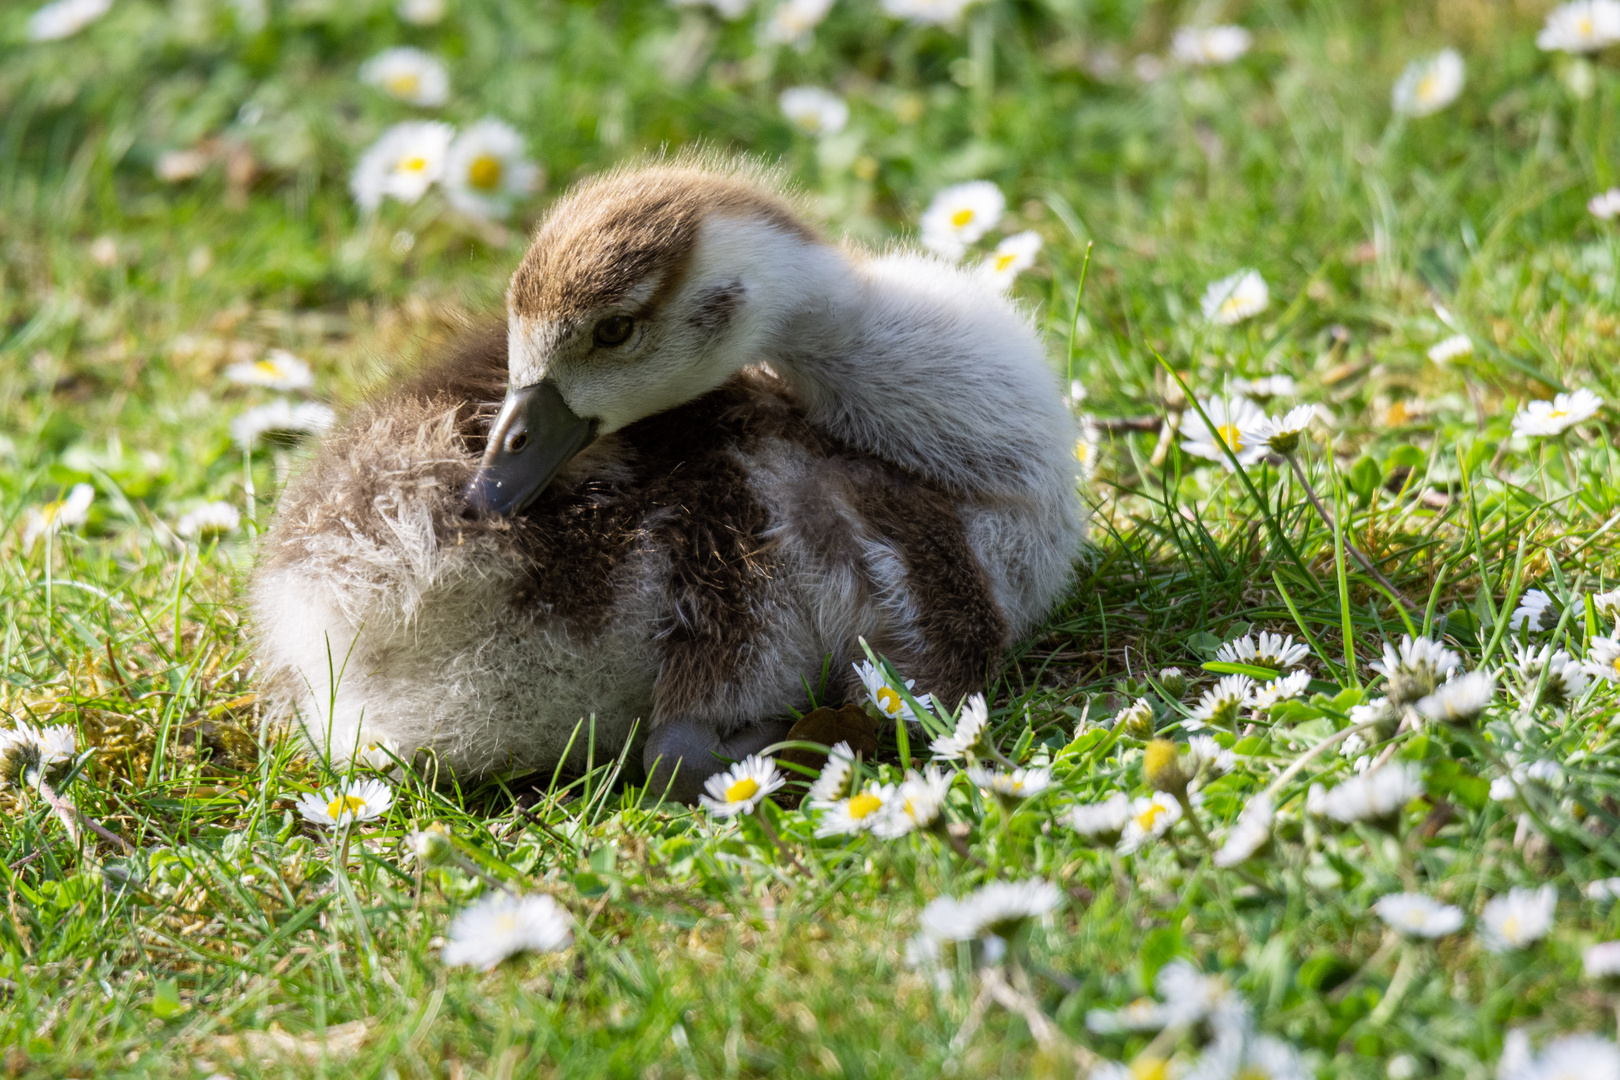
<point>643,290</point>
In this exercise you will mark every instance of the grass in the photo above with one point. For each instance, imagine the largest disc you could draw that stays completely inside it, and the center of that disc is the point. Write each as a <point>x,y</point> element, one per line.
<point>235,936</point>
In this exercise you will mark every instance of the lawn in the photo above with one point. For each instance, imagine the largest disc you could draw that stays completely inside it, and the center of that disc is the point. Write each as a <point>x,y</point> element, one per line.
<point>1336,298</point>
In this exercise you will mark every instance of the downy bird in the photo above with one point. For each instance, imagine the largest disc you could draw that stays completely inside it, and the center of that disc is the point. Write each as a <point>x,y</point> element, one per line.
<point>709,451</point>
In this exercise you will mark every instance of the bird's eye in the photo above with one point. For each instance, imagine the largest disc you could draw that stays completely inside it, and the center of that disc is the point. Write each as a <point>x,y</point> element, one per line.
<point>614,330</point>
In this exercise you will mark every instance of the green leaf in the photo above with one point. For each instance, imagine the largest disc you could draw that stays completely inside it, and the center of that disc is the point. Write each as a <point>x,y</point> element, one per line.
<point>1204,643</point>
<point>1450,778</point>
<point>1221,667</point>
<point>1159,947</point>
<point>1365,477</point>
<point>166,1000</point>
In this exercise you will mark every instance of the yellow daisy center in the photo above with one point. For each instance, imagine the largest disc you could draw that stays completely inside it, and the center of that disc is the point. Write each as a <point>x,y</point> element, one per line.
<point>863,804</point>
<point>1004,261</point>
<point>404,84</point>
<point>352,804</point>
<point>1557,414</point>
<point>963,217</point>
<point>1082,450</point>
<point>1231,436</point>
<point>742,790</point>
<point>889,701</point>
<point>1615,663</point>
<point>413,164</point>
<point>1428,87</point>
<point>506,922</point>
<point>1233,305</point>
<point>1150,1068</point>
<point>485,172</point>
<point>1584,27</point>
<point>1510,927</point>
<point>1149,817</point>
<point>267,367</point>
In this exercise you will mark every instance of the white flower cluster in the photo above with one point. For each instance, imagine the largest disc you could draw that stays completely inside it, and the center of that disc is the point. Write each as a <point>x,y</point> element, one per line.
<point>483,170</point>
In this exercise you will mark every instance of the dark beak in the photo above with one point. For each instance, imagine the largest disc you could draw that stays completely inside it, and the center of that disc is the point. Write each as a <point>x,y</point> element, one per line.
<point>535,434</point>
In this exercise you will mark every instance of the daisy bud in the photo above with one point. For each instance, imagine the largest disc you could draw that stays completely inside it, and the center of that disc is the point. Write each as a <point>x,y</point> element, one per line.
<point>1136,720</point>
<point>1173,682</point>
<point>1162,767</point>
<point>431,846</point>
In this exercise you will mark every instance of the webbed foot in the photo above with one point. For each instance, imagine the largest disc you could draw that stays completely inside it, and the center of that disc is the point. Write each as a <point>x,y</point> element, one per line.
<point>681,754</point>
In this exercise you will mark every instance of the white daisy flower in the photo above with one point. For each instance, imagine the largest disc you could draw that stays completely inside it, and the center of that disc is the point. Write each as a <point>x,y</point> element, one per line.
<point>1602,889</point>
<point>1143,1014</point>
<point>729,10</point>
<point>1136,719</point>
<point>1566,679</point>
<point>379,754</point>
<point>1429,85</point>
<point>1571,1057</point>
<point>209,519</point>
<point>1281,434</point>
<point>1233,420</point>
<point>833,784</point>
<point>996,910</point>
<point>886,698</point>
<point>917,805</point>
<point>1203,752</point>
<point>485,171</point>
<point>814,111</point>
<point>928,12</point>
<point>1268,650</point>
<point>1413,670</point>
<point>1460,700</point>
<point>1602,961</point>
<point>1534,605</point>
<point>51,518</point>
<point>1605,206</point>
<point>1012,257</point>
<point>1263,1057</point>
<point>1101,822</point>
<point>1151,817</point>
<point>1249,834</point>
<point>1549,773</point>
<point>971,737</point>
<point>1558,415</point>
<point>794,22</point>
<point>408,74</point>
<point>1581,27</point>
<point>420,12</point>
<point>1220,705</point>
<point>347,803</point>
<point>1209,45</point>
<point>279,370</point>
<point>1236,297</point>
<point>1377,796</point>
<point>29,754</point>
<point>1607,603</point>
<point>1266,387</point>
<point>1603,659</point>
<point>501,925</point>
<point>63,19</point>
<point>1518,919</point>
<point>1014,784</point>
<point>1416,915</point>
<point>959,216</point>
<point>281,419</point>
<point>858,813</point>
<point>1452,348</point>
<point>742,787</point>
<point>402,164</point>
<point>1281,689</point>
<point>1190,996</point>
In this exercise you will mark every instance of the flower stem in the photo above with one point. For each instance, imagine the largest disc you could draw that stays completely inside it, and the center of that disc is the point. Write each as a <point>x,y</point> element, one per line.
<point>1366,563</point>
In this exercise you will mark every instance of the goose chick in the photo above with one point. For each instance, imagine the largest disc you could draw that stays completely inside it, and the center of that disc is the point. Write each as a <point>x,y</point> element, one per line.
<point>728,449</point>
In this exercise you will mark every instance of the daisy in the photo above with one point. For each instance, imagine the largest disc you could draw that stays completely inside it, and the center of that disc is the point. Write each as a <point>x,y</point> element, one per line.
<point>279,370</point>
<point>1377,711</point>
<point>971,737</point>
<point>1190,996</point>
<point>1416,915</point>
<point>959,216</point>
<point>1413,670</point>
<point>1013,784</point>
<point>1267,387</point>
<point>485,171</point>
<point>1136,720</point>
<point>1605,206</point>
<point>408,74</point>
<point>858,813</point>
<point>402,164</point>
<point>1203,752</point>
<point>1429,85</point>
<point>49,519</point>
<point>999,909</point>
<point>1172,681</point>
<point>1151,817</point>
<point>1603,659</point>
<point>1504,788</point>
<point>1581,27</point>
<point>836,778</point>
<point>281,419</point>
<point>502,925</point>
<point>420,12</point>
<point>1520,918</point>
<point>1566,679</point>
<point>1281,434</point>
<point>1220,705</point>
<point>1571,1057</point>
<point>1602,889</point>
<point>1607,603</point>
<point>1460,700</point>
<point>1165,769</point>
<point>1602,961</point>
<point>1100,822</point>
<point>742,787</point>
<point>1012,257</point>
<point>1281,689</point>
<point>793,22</point>
<point>347,803</point>
<point>209,519</point>
<point>1210,44</point>
<point>381,754</point>
<point>1086,448</point>
<point>430,846</point>
<point>928,12</point>
<point>29,754</point>
<point>916,806</point>
<point>1236,297</point>
<point>1558,415</point>
<point>1143,1014</point>
<point>814,111</point>
<point>63,19</point>
<point>1533,608</point>
<point>1452,348</point>
<point>1376,797</point>
<point>1269,650</point>
<point>1250,834</point>
<point>1228,426</point>
<point>1263,1057</point>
